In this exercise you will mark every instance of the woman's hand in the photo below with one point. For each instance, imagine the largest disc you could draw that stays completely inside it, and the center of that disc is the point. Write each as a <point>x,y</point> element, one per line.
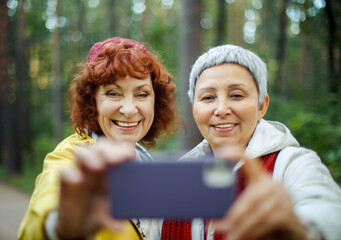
<point>263,211</point>
<point>84,204</point>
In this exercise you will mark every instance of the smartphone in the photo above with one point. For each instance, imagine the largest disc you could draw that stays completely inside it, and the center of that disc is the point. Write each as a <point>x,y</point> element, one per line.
<point>171,189</point>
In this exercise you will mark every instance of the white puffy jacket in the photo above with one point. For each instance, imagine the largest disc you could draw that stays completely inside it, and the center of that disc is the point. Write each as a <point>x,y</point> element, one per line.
<point>315,195</point>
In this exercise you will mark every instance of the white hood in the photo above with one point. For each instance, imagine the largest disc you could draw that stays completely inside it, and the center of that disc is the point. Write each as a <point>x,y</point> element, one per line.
<point>270,137</point>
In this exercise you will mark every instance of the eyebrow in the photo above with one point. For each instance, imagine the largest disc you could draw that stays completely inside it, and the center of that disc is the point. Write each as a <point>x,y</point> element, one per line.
<point>229,86</point>
<point>206,88</point>
<point>236,85</point>
<point>138,87</point>
<point>144,85</point>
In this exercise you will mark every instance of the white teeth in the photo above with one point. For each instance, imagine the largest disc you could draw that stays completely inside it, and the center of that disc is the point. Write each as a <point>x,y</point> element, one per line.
<point>126,124</point>
<point>225,125</point>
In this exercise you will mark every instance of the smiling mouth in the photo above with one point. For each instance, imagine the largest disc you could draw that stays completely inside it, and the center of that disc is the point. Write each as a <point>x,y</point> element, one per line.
<point>225,125</point>
<point>126,124</point>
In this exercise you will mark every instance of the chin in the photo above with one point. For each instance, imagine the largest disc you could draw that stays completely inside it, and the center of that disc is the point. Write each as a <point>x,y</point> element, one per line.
<point>223,143</point>
<point>131,140</point>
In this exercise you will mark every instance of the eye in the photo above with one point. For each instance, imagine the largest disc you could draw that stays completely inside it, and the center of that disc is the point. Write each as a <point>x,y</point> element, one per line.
<point>112,94</point>
<point>208,98</point>
<point>142,95</point>
<point>236,96</point>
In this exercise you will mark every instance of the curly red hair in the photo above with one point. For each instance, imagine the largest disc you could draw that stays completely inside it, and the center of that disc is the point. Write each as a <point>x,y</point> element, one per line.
<point>115,62</point>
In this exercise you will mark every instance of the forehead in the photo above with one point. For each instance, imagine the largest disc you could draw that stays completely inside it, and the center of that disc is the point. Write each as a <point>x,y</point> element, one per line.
<point>129,81</point>
<point>225,73</point>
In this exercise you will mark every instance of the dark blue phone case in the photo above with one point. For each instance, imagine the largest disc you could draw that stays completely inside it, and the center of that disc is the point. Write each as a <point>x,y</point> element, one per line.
<point>174,190</point>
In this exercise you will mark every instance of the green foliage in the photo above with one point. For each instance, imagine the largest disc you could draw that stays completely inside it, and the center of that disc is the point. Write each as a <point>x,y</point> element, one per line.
<point>167,144</point>
<point>33,164</point>
<point>315,130</point>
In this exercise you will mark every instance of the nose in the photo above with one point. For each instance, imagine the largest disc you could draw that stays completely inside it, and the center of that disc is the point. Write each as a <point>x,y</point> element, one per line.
<point>128,108</point>
<point>222,108</point>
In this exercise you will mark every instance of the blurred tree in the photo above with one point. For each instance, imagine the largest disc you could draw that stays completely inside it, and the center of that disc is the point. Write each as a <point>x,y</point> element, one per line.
<point>77,26</point>
<point>110,21</point>
<point>190,49</point>
<point>21,75</point>
<point>268,27</point>
<point>280,84</point>
<point>57,79</point>
<point>7,149</point>
<point>332,31</point>
<point>221,23</point>
<point>236,12</point>
<point>304,82</point>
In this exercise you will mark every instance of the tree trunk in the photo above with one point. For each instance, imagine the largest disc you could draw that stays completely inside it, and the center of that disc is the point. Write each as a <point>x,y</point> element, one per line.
<point>6,130</point>
<point>235,30</point>
<point>190,49</point>
<point>57,95</point>
<point>268,28</point>
<point>304,84</point>
<point>21,99</point>
<point>109,26</point>
<point>221,23</point>
<point>280,87</point>
<point>332,31</point>
<point>80,26</point>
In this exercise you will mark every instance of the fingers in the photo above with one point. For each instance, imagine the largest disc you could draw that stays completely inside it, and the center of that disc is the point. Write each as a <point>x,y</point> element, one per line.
<point>93,168</point>
<point>253,216</point>
<point>263,209</point>
<point>106,152</point>
<point>71,209</point>
<point>221,225</point>
<point>71,188</point>
<point>84,204</point>
<point>112,224</point>
<point>229,153</point>
<point>252,169</point>
<point>242,215</point>
<point>115,153</point>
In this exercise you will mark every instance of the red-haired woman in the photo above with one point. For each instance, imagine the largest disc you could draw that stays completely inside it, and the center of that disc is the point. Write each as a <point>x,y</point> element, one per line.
<point>123,94</point>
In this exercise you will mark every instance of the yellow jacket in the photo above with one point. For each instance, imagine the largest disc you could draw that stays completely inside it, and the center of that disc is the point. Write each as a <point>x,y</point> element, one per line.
<point>46,193</point>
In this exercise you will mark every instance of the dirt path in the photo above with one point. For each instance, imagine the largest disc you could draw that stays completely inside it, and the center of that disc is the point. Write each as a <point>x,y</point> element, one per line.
<point>13,205</point>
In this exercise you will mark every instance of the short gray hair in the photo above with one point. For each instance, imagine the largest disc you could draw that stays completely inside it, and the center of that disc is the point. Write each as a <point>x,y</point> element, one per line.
<point>230,54</point>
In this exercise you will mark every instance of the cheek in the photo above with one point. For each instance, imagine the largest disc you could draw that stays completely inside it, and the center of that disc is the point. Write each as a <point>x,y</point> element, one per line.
<point>100,113</point>
<point>147,109</point>
<point>248,109</point>
<point>201,114</point>
<point>104,107</point>
<point>249,115</point>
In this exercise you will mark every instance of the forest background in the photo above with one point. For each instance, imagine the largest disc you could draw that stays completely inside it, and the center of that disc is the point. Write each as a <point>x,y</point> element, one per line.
<point>42,42</point>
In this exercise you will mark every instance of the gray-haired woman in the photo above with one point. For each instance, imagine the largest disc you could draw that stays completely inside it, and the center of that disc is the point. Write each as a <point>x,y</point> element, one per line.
<point>290,194</point>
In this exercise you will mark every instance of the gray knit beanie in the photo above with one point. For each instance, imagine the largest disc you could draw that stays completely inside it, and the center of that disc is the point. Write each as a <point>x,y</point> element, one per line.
<point>230,54</point>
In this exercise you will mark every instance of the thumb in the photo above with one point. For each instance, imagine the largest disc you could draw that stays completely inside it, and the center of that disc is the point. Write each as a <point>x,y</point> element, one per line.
<point>252,168</point>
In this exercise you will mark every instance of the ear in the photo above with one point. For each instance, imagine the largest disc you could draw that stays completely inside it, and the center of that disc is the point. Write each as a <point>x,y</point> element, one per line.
<point>263,108</point>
